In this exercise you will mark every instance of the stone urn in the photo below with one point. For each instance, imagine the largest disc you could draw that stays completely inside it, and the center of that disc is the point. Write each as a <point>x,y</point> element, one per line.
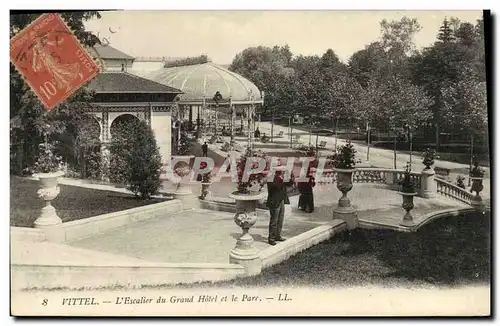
<point>344,209</point>
<point>408,206</point>
<point>245,253</point>
<point>183,169</point>
<point>48,192</point>
<point>477,187</point>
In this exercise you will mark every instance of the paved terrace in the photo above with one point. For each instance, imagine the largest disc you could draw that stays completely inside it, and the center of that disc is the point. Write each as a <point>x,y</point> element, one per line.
<point>206,236</point>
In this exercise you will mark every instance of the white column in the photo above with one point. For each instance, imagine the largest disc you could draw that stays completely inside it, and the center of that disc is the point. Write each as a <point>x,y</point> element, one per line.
<point>161,123</point>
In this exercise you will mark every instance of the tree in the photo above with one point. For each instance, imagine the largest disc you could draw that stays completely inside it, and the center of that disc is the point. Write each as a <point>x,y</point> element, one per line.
<point>466,105</point>
<point>397,36</point>
<point>370,63</point>
<point>267,68</point>
<point>187,61</point>
<point>135,159</point>
<point>442,65</point>
<point>145,162</point>
<point>445,34</point>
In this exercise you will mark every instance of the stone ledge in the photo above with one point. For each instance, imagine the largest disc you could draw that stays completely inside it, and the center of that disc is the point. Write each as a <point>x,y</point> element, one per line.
<point>97,224</point>
<point>283,250</point>
<point>74,277</point>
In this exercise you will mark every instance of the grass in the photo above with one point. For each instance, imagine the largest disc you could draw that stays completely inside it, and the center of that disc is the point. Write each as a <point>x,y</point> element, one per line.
<point>72,203</point>
<point>452,251</point>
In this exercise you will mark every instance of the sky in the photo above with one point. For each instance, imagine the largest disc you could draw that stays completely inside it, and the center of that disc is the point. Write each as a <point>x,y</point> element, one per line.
<point>223,34</point>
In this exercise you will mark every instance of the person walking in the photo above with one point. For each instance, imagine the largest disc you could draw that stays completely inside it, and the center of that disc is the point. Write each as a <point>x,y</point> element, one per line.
<point>256,134</point>
<point>277,198</point>
<point>204,149</point>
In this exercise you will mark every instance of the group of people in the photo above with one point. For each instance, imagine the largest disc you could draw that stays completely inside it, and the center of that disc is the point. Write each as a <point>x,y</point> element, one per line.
<point>277,198</point>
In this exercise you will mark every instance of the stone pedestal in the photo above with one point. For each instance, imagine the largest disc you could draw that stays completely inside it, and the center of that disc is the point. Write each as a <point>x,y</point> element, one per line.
<point>48,191</point>
<point>477,187</point>
<point>408,206</point>
<point>428,186</point>
<point>344,210</point>
<point>245,253</point>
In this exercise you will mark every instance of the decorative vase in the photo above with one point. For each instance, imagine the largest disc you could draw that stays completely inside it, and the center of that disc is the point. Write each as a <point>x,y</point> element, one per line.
<point>344,184</point>
<point>408,206</point>
<point>245,253</point>
<point>344,209</point>
<point>48,192</point>
<point>183,170</point>
<point>205,189</point>
<point>477,187</point>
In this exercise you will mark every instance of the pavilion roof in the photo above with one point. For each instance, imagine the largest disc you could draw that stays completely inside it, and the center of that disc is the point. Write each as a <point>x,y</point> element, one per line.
<point>109,52</point>
<point>124,82</point>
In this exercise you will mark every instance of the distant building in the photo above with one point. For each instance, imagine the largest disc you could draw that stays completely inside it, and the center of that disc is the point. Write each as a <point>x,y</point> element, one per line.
<point>111,59</point>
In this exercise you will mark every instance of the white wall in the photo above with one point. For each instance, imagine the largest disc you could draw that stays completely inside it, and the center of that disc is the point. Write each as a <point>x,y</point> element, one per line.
<point>161,123</point>
<point>145,67</point>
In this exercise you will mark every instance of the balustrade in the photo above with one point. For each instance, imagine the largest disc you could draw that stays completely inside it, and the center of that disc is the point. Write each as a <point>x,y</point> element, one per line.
<point>450,190</point>
<point>388,176</point>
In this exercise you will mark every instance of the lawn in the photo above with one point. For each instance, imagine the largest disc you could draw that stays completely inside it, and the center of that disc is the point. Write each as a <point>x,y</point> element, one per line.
<point>451,251</point>
<point>72,203</point>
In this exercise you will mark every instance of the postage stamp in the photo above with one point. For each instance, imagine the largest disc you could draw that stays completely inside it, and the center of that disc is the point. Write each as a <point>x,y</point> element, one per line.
<point>51,59</point>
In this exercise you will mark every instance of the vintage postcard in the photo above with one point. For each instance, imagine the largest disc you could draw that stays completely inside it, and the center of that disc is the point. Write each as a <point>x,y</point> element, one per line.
<point>250,163</point>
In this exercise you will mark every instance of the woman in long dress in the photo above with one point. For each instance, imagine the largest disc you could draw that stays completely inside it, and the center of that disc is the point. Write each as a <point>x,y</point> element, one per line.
<point>306,198</point>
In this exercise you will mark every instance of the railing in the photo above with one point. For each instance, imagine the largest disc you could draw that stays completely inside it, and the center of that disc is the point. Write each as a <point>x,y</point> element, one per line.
<point>450,190</point>
<point>377,176</point>
<point>393,177</point>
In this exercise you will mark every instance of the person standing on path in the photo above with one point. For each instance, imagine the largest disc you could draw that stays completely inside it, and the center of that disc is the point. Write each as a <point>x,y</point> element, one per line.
<point>204,148</point>
<point>306,198</point>
<point>276,199</point>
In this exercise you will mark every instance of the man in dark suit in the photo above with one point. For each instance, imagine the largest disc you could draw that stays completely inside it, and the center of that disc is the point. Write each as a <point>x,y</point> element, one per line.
<point>276,199</point>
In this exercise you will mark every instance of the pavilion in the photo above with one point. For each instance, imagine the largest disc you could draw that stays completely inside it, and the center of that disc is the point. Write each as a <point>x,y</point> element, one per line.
<point>200,82</point>
<point>120,95</point>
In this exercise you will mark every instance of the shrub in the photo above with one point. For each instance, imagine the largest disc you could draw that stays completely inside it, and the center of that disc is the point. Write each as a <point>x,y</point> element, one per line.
<point>136,160</point>
<point>256,181</point>
<point>47,161</point>
<point>307,150</point>
<point>406,184</point>
<point>344,157</point>
<point>184,144</point>
<point>429,156</point>
<point>460,181</point>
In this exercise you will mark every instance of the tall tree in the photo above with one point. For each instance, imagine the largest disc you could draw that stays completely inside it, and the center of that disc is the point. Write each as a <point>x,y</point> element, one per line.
<point>445,34</point>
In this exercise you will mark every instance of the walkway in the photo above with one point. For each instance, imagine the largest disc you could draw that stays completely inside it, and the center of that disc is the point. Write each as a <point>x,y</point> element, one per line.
<point>379,157</point>
<point>208,236</point>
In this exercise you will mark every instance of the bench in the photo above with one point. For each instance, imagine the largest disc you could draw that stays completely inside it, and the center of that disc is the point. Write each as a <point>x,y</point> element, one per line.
<point>322,145</point>
<point>280,134</point>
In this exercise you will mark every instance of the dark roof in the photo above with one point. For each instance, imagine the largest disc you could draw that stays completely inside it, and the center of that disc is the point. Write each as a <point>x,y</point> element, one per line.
<point>123,82</point>
<point>109,52</point>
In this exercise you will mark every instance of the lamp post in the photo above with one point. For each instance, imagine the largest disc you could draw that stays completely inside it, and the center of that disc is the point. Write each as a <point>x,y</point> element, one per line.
<point>471,158</point>
<point>231,111</point>
<point>367,140</point>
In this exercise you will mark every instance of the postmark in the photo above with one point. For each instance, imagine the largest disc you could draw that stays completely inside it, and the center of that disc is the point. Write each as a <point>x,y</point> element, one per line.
<point>51,59</point>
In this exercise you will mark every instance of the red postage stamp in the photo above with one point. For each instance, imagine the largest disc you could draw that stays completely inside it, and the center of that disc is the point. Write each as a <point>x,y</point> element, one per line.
<point>51,59</point>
